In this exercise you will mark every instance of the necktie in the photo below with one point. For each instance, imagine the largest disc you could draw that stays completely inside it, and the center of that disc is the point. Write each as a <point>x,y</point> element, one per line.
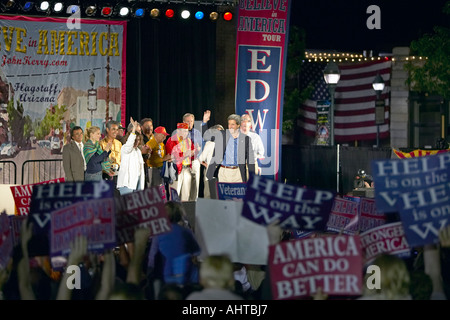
<point>80,146</point>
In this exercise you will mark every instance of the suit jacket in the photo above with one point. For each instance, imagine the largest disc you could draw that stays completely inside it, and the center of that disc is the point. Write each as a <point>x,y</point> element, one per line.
<point>73,162</point>
<point>246,156</point>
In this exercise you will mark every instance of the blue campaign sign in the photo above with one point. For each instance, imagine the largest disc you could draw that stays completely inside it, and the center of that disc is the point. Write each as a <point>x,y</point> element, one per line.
<point>231,191</point>
<point>296,208</point>
<point>392,177</point>
<point>419,190</point>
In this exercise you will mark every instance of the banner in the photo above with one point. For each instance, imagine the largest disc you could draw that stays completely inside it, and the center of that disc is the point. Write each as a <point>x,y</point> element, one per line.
<point>296,208</point>
<point>419,190</point>
<point>22,196</point>
<point>298,268</point>
<point>141,209</point>
<point>95,219</point>
<point>388,238</point>
<point>56,74</point>
<point>231,191</point>
<point>261,49</point>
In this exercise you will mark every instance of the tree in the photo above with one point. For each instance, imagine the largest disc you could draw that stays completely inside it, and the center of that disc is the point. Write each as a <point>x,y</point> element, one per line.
<point>431,75</point>
<point>292,94</point>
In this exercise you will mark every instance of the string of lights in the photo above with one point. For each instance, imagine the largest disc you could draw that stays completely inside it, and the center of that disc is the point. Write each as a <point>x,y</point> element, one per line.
<point>352,57</point>
<point>120,9</point>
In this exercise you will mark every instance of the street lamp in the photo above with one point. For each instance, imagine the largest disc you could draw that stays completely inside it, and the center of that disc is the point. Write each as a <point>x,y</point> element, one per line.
<point>331,75</point>
<point>378,86</point>
<point>92,97</point>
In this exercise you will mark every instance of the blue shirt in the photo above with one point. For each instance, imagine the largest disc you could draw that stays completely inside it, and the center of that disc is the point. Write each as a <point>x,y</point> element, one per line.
<point>230,158</point>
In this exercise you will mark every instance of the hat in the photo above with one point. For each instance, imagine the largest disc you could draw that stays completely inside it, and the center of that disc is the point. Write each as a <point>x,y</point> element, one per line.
<point>182,125</point>
<point>161,130</point>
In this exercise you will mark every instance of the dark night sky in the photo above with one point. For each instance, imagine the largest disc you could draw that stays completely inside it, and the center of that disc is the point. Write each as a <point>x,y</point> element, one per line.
<point>341,25</point>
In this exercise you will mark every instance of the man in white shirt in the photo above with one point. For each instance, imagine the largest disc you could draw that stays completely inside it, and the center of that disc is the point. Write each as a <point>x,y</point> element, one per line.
<point>258,146</point>
<point>73,158</point>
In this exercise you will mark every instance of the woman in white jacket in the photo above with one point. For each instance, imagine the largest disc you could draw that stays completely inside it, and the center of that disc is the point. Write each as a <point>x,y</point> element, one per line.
<point>131,176</point>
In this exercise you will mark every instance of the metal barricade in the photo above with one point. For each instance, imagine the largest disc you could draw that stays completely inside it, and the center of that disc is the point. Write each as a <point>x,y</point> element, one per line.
<point>8,172</point>
<point>35,171</point>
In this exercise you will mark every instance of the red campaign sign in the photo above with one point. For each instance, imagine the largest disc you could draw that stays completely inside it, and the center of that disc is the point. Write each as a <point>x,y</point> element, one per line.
<point>22,195</point>
<point>387,238</point>
<point>370,218</point>
<point>344,216</point>
<point>142,209</point>
<point>95,219</point>
<point>299,267</point>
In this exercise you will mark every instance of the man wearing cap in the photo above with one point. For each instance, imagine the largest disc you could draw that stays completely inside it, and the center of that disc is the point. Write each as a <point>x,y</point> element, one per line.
<point>181,148</point>
<point>157,155</point>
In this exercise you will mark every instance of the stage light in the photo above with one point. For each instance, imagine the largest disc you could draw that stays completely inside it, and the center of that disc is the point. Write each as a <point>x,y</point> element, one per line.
<point>90,10</point>
<point>185,14</point>
<point>28,6</point>
<point>124,11</point>
<point>44,6</point>
<point>139,12</point>
<point>154,13</point>
<point>227,16</point>
<point>58,6</point>
<point>73,9</point>
<point>213,16</point>
<point>199,15</point>
<point>169,13</point>
<point>107,11</point>
<point>8,5</point>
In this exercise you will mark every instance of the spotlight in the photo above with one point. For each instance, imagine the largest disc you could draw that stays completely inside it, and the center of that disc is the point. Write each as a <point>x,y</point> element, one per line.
<point>169,13</point>
<point>90,10</point>
<point>58,6</point>
<point>199,15</point>
<point>185,14</point>
<point>44,6</point>
<point>139,12</point>
<point>73,9</point>
<point>107,11</point>
<point>27,6</point>
<point>227,16</point>
<point>8,5</point>
<point>213,16</point>
<point>124,11</point>
<point>154,13</point>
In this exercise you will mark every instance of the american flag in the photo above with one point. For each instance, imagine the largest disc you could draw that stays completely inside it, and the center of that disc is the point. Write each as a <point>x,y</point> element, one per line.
<point>354,104</point>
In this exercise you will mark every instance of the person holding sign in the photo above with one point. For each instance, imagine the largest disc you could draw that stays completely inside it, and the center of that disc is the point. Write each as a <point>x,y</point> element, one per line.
<point>97,160</point>
<point>131,175</point>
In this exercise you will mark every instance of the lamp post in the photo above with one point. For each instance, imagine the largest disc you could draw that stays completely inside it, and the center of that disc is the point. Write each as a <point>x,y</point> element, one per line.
<point>378,86</point>
<point>331,75</point>
<point>92,97</point>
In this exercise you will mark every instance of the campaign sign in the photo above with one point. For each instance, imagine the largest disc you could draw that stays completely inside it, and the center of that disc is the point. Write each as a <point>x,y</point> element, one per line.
<point>22,195</point>
<point>344,216</point>
<point>141,209</point>
<point>388,238</point>
<point>298,268</point>
<point>94,219</point>
<point>231,191</point>
<point>369,216</point>
<point>419,189</point>
<point>49,197</point>
<point>16,226</point>
<point>297,208</point>
<point>418,176</point>
<point>6,241</point>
